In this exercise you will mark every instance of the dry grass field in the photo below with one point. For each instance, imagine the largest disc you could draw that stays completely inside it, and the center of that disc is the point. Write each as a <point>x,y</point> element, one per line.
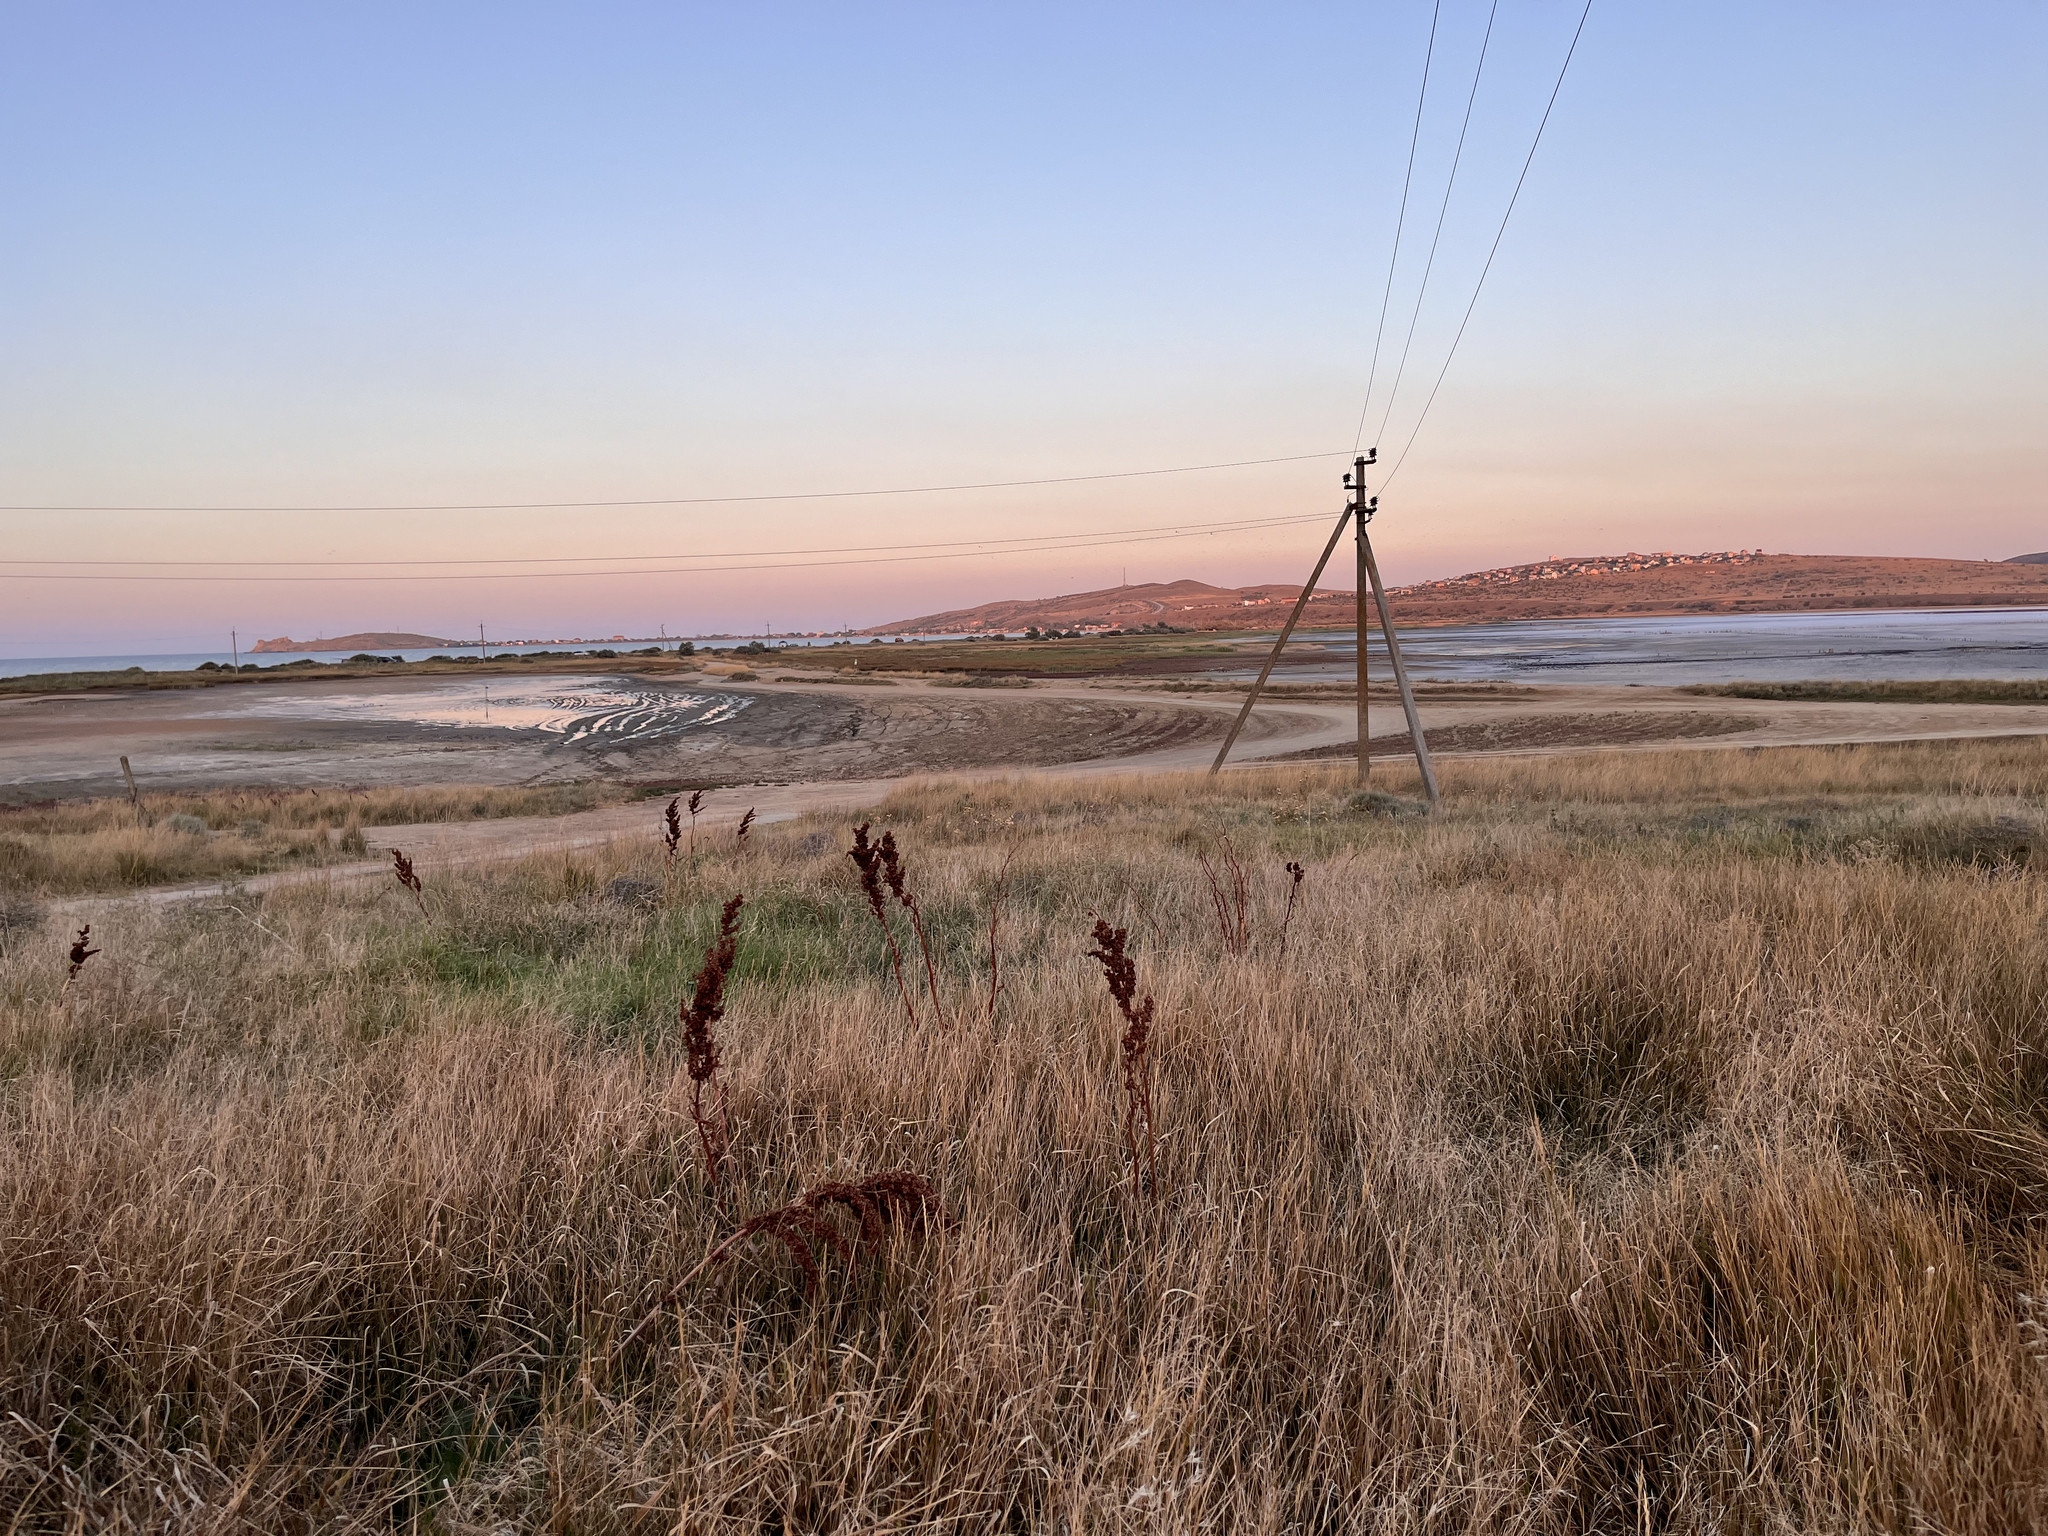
<point>1651,1142</point>
<point>67,847</point>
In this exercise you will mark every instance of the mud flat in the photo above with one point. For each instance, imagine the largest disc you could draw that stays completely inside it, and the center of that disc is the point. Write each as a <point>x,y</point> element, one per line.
<point>426,731</point>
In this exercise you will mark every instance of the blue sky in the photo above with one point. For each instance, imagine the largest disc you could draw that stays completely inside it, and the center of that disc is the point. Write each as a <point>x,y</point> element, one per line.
<point>1773,281</point>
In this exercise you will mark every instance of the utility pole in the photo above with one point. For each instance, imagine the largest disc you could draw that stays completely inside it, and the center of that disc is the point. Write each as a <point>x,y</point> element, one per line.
<point>1361,512</point>
<point>1361,507</point>
<point>235,648</point>
<point>481,653</point>
<point>1365,510</point>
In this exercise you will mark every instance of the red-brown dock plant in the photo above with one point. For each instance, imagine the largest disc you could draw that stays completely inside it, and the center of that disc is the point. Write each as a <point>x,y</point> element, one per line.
<point>875,1202</point>
<point>745,826</point>
<point>1121,972</point>
<point>1295,875</point>
<point>898,879</point>
<point>704,1007</point>
<point>672,831</point>
<point>867,858</point>
<point>401,866</point>
<point>81,951</point>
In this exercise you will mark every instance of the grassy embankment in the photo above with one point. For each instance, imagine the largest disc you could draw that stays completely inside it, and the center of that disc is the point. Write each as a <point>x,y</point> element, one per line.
<point>257,674</point>
<point>1651,1142</point>
<point>109,845</point>
<point>1085,656</point>
<point>1092,656</point>
<point>1934,691</point>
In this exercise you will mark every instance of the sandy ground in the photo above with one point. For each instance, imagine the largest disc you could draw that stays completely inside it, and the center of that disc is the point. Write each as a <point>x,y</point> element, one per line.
<point>66,745</point>
<point>803,748</point>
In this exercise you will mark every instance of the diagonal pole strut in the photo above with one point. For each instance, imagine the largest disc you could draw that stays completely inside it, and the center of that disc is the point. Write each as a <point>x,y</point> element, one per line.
<point>1286,629</point>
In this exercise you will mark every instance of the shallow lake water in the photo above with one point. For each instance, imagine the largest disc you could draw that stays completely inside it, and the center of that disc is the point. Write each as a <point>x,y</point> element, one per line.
<point>574,708</point>
<point>1719,648</point>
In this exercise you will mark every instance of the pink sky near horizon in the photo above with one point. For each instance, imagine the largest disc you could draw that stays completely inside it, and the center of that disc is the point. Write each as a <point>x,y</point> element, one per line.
<point>1772,282</point>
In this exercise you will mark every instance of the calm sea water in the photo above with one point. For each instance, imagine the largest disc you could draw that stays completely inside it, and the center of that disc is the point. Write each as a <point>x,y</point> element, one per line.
<point>1762,647</point>
<point>25,666</point>
<point>586,709</point>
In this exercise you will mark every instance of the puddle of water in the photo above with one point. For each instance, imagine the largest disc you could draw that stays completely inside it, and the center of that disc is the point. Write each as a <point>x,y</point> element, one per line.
<point>576,709</point>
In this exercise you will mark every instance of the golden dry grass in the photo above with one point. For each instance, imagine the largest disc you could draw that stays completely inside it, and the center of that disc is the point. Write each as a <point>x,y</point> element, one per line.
<point>73,846</point>
<point>1652,1143</point>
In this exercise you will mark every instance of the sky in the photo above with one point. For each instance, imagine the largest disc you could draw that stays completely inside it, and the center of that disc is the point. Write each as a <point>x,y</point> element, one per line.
<point>1773,281</point>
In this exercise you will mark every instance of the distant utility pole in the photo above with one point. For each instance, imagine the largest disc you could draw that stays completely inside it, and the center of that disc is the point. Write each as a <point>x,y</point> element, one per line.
<point>1361,507</point>
<point>235,648</point>
<point>1362,512</point>
<point>481,654</point>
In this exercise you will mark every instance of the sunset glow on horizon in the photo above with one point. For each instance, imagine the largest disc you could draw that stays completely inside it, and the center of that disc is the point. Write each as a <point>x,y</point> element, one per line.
<point>1771,282</point>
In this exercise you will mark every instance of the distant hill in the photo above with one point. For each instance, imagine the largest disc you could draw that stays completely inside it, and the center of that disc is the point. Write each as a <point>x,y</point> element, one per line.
<point>2040,559</point>
<point>1590,586</point>
<point>369,640</point>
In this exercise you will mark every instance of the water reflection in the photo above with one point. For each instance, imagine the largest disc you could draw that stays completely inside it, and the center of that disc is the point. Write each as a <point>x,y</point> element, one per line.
<point>1763,647</point>
<point>576,709</point>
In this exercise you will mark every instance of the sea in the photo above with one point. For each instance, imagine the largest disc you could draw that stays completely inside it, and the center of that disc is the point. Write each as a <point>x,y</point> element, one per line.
<point>1909,644</point>
<point>1859,646</point>
<point>185,661</point>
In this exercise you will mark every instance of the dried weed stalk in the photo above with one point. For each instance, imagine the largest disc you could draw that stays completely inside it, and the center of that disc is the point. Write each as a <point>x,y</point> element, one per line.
<point>898,879</point>
<point>1230,895</point>
<point>874,1202</point>
<point>1121,972</point>
<point>672,831</point>
<point>746,824</point>
<point>995,911</point>
<point>867,857</point>
<point>696,804</point>
<point>401,866</point>
<point>81,951</point>
<point>703,1008</point>
<point>1295,876</point>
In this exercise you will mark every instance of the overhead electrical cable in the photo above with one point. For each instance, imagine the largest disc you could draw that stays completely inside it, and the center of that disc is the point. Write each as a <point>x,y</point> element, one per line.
<point>1495,249</point>
<point>1073,542</point>
<point>1227,525</point>
<point>1443,209</point>
<point>696,501</point>
<point>1400,222</point>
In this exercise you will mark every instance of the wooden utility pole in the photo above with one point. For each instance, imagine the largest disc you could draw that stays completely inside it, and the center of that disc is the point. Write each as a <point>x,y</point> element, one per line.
<point>1379,597</point>
<point>1356,481</point>
<point>1361,507</point>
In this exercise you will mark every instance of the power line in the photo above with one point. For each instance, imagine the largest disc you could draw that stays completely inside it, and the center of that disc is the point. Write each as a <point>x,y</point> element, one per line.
<point>1229,524</point>
<point>1494,251</point>
<point>1443,209</point>
<point>1394,259</point>
<point>702,501</point>
<point>1075,541</point>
